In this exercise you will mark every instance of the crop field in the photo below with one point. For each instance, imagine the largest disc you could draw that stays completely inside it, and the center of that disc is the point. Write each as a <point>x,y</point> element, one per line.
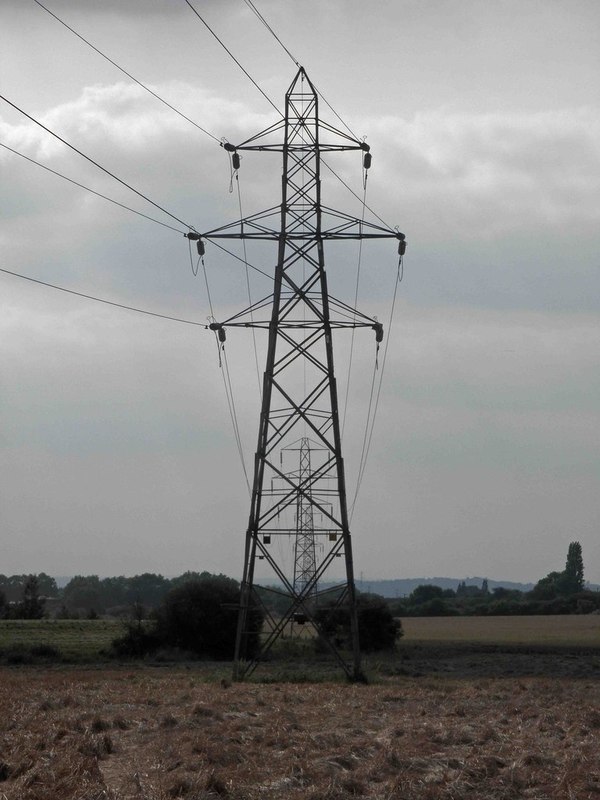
<point>153,734</point>
<point>89,640</point>
<point>74,640</point>
<point>582,630</point>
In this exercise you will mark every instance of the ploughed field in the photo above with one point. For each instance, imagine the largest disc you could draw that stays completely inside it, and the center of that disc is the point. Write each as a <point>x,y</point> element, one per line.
<point>484,708</point>
<point>155,733</point>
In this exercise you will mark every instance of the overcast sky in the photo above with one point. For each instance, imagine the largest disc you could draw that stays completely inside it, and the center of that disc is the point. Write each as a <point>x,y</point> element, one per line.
<point>483,119</point>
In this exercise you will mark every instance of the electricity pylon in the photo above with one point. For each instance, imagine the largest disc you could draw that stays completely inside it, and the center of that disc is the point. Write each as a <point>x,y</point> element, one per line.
<point>305,556</point>
<point>299,392</point>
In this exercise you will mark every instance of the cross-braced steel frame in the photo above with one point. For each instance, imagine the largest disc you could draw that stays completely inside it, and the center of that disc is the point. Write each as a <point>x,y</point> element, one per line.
<point>305,554</point>
<point>299,392</point>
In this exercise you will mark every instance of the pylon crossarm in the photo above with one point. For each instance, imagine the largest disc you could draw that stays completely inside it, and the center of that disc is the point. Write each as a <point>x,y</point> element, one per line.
<point>239,228</point>
<point>247,143</point>
<point>278,147</point>
<point>337,233</point>
<point>354,318</point>
<point>296,325</point>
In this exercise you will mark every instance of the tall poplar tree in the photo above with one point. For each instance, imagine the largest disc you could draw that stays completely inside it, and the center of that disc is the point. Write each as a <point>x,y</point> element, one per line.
<point>573,574</point>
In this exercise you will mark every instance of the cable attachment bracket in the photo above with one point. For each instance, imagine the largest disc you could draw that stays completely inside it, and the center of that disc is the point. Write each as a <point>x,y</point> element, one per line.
<point>235,156</point>
<point>401,242</point>
<point>367,158</point>
<point>196,237</point>
<point>220,330</point>
<point>378,328</point>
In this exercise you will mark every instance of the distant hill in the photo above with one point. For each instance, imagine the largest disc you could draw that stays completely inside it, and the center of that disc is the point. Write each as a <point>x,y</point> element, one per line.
<point>402,587</point>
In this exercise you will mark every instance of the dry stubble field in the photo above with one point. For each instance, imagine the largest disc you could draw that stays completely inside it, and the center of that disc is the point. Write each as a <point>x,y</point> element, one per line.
<point>153,734</point>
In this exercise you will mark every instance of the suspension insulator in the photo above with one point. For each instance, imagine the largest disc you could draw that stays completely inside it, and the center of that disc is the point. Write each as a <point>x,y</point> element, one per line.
<point>200,247</point>
<point>367,160</point>
<point>402,247</point>
<point>216,326</point>
<point>235,160</point>
<point>378,328</point>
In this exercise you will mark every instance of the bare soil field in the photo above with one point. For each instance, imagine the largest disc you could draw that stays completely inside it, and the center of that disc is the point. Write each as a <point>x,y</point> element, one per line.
<point>580,630</point>
<point>158,733</point>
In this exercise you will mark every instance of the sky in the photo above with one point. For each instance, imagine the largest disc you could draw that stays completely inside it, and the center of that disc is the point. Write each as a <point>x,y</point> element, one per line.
<point>483,118</point>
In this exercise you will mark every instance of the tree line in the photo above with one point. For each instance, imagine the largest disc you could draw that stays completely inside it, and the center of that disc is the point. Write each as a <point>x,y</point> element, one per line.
<point>559,592</point>
<point>34,596</point>
<point>85,595</point>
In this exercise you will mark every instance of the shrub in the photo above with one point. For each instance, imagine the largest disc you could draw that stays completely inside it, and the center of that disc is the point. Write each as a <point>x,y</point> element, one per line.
<point>137,642</point>
<point>198,618</point>
<point>377,628</point>
<point>201,616</point>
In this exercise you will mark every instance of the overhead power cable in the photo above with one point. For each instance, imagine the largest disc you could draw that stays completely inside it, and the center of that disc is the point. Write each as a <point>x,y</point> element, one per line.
<point>129,75</point>
<point>96,164</point>
<point>253,8</point>
<point>87,189</point>
<point>233,415</point>
<point>258,14</point>
<point>247,74</point>
<point>248,288</point>
<point>369,432</point>
<point>242,260</point>
<point>102,300</point>
<point>354,194</point>
<point>352,337</point>
<point>228,51</point>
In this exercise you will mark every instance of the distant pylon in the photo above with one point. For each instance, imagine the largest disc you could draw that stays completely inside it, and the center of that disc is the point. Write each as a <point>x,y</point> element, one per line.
<point>299,393</point>
<point>305,562</point>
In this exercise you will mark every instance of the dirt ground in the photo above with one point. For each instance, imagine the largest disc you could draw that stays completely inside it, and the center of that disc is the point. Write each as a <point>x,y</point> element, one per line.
<point>491,660</point>
<point>157,733</point>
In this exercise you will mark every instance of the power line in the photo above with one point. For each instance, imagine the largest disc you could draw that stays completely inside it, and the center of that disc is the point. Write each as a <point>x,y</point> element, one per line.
<point>233,415</point>
<point>87,189</point>
<point>228,51</point>
<point>129,75</point>
<point>243,261</point>
<point>352,337</point>
<point>253,8</point>
<point>250,303</point>
<point>363,464</point>
<point>96,164</point>
<point>352,192</point>
<point>258,14</point>
<point>247,74</point>
<point>102,300</point>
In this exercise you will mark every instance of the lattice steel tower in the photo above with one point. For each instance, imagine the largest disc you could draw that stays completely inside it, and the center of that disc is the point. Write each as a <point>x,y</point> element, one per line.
<point>305,555</point>
<point>299,393</point>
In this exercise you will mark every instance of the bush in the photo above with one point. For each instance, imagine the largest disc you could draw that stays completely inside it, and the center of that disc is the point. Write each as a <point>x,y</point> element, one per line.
<point>138,641</point>
<point>201,616</point>
<point>377,628</point>
<point>198,617</point>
